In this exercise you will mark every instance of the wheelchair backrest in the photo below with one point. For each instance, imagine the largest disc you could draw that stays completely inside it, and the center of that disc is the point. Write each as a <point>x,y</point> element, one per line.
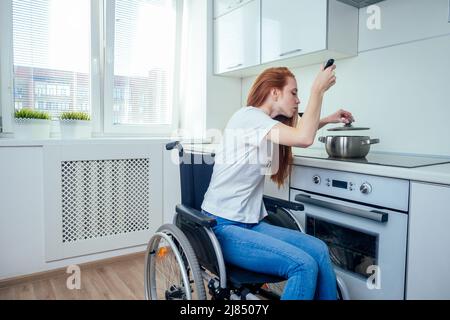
<point>195,175</point>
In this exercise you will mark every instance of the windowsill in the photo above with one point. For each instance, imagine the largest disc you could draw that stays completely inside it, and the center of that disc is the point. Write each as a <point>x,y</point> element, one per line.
<point>11,142</point>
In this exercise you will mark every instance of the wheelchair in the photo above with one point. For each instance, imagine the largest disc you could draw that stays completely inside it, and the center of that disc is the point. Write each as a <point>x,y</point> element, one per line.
<point>184,258</point>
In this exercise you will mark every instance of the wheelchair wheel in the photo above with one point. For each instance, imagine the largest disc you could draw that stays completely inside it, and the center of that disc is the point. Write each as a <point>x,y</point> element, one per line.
<point>172,271</point>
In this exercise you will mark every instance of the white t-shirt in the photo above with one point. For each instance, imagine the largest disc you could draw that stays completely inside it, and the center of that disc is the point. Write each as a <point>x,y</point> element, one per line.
<point>243,159</point>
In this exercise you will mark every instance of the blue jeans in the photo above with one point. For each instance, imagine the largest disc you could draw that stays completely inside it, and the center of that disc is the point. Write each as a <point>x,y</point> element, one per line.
<point>300,258</point>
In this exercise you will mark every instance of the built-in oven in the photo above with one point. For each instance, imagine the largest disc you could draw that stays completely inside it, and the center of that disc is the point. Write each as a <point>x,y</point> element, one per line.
<point>363,220</point>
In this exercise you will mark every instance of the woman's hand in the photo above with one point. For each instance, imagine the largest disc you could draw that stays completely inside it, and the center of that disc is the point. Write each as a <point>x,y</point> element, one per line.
<point>340,116</point>
<point>324,80</point>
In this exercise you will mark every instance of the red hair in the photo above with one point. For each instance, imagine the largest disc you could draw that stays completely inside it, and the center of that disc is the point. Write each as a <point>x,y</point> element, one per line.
<point>275,78</point>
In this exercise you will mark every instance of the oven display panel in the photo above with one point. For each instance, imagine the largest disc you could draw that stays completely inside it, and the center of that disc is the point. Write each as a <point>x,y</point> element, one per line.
<point>340,184</point>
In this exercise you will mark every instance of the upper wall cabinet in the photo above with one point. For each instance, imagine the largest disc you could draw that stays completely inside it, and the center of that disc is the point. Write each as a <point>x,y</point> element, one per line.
<point>237,38</point>
<point>292,27</point>
<point>295,33</point>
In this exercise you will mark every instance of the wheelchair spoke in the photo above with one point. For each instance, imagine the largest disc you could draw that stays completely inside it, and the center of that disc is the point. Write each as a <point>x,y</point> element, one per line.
<point>172,269</point>
<point>167,273</point>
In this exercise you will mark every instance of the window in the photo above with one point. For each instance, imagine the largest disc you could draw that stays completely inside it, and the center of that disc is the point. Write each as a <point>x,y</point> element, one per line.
<point>115,59</point>
<point>142,84</point>
<point>51,50</point>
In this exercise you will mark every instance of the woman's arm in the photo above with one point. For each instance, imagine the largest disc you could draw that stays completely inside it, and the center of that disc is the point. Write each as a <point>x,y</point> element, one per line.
<point>310,122</point>
<point>340,116</point>
<point>304,134</point>
<point>323,122</point>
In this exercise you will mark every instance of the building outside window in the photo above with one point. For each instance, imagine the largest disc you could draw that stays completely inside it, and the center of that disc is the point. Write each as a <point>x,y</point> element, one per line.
<point>51,50</point>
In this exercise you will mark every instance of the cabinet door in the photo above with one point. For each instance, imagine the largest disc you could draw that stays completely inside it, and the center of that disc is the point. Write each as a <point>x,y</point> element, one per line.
<point>21,210</point>
<point>237,38</point>
<point>428,239</point>
<point>292,27</point>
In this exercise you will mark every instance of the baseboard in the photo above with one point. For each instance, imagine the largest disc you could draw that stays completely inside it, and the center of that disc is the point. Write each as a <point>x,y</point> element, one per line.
<point>62,271</point>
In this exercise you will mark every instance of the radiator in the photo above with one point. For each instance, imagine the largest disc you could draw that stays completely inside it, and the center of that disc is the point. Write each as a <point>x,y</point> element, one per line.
<point>101,201</point>
<point>104,198</point>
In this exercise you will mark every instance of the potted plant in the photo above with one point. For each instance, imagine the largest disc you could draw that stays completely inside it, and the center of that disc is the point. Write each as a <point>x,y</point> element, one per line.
<point>75,125</point>
<point>31,124</point>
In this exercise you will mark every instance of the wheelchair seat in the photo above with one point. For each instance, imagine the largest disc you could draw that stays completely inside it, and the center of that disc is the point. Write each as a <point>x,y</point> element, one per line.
<point>241,277</point>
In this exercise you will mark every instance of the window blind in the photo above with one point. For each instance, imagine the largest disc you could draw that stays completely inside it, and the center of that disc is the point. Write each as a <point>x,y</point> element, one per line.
<point>144,57</point>
<point>51,53</point>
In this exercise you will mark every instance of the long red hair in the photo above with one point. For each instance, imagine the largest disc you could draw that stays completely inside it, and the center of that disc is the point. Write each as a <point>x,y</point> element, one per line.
<point>275,78</point>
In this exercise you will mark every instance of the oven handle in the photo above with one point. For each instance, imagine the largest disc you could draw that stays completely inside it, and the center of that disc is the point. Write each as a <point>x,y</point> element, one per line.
<point>375,215</point>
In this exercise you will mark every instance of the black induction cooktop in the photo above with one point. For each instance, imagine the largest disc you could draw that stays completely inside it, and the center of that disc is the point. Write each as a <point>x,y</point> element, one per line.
<point>387,159</point>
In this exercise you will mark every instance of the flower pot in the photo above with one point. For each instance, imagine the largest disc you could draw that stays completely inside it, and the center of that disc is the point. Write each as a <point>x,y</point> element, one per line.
<point>32,128</point>
<point>75,129</point>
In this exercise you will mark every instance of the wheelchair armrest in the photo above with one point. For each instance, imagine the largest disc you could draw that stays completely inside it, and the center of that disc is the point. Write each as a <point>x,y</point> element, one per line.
<point>195,216</point>
<point>274,203</point>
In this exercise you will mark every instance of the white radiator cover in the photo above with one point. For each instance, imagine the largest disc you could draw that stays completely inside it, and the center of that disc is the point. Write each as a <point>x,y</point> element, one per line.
<point>104,198</point>
<point>100,197</point>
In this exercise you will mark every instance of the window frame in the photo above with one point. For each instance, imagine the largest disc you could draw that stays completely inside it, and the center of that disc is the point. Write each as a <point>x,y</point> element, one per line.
<point>6,66</point>
<point>152,130</point>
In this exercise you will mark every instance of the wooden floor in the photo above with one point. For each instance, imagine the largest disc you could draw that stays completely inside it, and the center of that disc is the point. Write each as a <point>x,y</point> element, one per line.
<point>122,280</point>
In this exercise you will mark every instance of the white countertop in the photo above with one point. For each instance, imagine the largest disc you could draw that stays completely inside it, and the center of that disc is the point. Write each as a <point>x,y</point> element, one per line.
<point>439,174</point>
<point>432,174</point>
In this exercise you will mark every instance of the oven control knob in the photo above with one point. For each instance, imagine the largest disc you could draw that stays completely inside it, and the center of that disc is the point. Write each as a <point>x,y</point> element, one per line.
<point>365,188</point>
<point>316,179</point>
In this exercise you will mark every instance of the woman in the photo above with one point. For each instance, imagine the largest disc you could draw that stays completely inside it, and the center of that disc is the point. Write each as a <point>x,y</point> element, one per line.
<point>234,196</point>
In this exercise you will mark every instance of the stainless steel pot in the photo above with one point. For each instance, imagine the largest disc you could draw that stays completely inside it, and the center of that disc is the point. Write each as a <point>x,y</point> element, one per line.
<point>348,146</point>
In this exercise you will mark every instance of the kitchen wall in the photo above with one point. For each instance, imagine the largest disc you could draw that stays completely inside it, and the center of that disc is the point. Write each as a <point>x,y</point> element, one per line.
<point>206,100</point>
<point>399,84</point>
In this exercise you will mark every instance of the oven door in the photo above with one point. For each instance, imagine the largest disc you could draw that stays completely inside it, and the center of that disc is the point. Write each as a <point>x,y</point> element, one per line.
<point>367,245</point>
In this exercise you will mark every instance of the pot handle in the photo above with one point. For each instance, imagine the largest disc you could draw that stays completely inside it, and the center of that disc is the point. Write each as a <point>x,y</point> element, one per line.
<point>370,141</point>
<point>322,139</point>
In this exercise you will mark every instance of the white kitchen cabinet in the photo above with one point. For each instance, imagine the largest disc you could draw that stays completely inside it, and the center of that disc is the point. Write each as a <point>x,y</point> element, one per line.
<point>292,27</point>
<point>222,7</point>
<point>293,33</point>
<point>428,242</point>
<point>237,38</point>
<point>21,209</point>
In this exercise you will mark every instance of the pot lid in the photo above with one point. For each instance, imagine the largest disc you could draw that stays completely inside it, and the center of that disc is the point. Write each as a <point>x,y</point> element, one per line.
<point>348,127</point>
